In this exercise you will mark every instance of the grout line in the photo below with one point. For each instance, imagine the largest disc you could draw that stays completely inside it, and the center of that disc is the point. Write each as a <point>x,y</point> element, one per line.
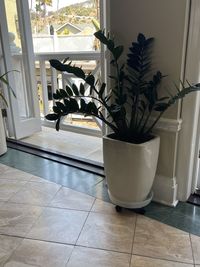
<point>82,227</point>
<point>89,247</point>
<point>162,259</point>
<point>134,230</point>
<point>103,249</point>
<point>44,206</point>
<point>49,203</point>
<point>80,232</point>
<point>12,253</point>
<point>192,249</point>
<point>60,243</point>
<point>66,263</point>
<point>99,182</point>
<point>9,199</point>
<point>93,204</point>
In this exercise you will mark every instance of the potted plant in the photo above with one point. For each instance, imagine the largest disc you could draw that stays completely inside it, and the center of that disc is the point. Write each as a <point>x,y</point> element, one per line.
<point>3,146</point>
<point>131,150</point>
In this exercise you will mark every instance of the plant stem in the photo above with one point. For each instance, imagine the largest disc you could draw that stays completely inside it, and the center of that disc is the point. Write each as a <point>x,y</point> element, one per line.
<point>146,120</point>
<point>141,119</point>
<point>154,123</point>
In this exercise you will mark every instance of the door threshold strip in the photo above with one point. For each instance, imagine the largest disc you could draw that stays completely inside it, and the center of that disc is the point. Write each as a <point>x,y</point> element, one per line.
<point>86,165</point>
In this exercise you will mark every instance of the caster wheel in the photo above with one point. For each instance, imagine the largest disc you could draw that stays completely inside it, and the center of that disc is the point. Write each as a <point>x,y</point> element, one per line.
<point>140,211</point>
<point>118,208</point>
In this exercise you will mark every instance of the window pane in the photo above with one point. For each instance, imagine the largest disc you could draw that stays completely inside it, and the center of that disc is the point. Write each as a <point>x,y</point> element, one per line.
<point>60,25</point>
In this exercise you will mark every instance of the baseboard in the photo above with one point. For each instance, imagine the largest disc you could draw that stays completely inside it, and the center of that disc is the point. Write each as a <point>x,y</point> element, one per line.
<point>165,190</point>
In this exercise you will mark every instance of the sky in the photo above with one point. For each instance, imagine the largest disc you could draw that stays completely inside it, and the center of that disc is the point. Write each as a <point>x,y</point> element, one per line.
<point>62,3</point>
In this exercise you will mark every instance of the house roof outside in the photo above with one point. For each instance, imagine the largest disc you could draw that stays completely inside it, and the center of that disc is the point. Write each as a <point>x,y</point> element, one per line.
<point>69,26</point>
<point>73,28</point>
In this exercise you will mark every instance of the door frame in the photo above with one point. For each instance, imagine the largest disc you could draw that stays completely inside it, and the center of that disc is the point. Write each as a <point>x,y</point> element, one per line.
<point>17,127</point>
<point>188,145</point>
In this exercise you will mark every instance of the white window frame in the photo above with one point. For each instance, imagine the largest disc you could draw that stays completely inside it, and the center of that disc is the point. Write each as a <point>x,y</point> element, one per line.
<point>17,127</point>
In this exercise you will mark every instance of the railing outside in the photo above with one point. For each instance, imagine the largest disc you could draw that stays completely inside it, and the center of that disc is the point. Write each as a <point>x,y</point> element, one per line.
<point>49,80</point>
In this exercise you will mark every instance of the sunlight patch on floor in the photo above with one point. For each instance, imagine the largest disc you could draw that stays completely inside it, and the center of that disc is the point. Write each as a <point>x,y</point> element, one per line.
<point>69,143</point>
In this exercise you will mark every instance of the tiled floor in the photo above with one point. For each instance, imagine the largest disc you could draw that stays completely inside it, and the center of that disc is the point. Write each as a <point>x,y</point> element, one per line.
<point>66,220</point>
<point>45,224</point>
<point>185,216</point>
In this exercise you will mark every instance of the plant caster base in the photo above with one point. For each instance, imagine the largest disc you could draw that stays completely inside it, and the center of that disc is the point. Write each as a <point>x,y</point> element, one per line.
<point>138,207</point>
<point>118,208</point>
<point>138,211</point>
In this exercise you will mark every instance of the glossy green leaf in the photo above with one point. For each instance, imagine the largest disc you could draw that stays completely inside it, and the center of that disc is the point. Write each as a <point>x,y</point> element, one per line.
<point>101,37</point>
<point>83,105</point>
<point>74,105</point>
<point>60,106</point>
<point>58,125</point>
<point>63,93</point>
<point>82,89</point>
<point>78,72</point>
<point>69,90</point>
<point>117,52</point>
<point>90,80</point>
<point>52,117</point>
<point>56,109</point>
<point>75,89</point>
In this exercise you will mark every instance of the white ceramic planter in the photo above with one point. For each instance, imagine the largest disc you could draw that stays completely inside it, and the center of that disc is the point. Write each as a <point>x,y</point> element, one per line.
<point>130,170</point>
<point>3,146</point>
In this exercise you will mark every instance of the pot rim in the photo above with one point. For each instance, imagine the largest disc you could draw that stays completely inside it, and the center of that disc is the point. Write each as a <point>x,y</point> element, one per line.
<point>155,137</point>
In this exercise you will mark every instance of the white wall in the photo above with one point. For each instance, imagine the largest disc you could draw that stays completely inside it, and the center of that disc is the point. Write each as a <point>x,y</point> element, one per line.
<point>166,21</point>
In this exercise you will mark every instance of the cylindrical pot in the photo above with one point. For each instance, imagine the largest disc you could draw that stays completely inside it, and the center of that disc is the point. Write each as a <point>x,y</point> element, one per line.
<point>130,170</point>
<point>3,146</point>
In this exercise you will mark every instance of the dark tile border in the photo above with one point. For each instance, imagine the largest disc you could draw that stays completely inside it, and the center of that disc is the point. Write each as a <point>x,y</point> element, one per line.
<point>87,165</point>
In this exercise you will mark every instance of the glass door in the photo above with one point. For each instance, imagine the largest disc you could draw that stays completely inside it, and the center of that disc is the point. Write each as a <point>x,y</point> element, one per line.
<point>65,29</point>
<point>23,117</point>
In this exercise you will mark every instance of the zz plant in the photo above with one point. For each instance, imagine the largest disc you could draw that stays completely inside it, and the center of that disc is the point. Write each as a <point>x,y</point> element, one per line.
<point>131,101</point>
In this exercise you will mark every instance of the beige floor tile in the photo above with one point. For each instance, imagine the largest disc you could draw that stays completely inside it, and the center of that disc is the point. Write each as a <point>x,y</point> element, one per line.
<point>40,253</point>
<point>103,207</point>
<point>68,198</point>
<point>95,155</point>
<point>196,248</point>
<point>17,219</point>
<point>3,168</point>
<point>8,188</point>
<point>98,258</point>
<point>35,193</point>
<point>58,225</point>
<point>10,173</point>
<point>78,145</point>
<point>158,240</point>
<point>114,232</point>
<point>7,246</point>
<point>138,261</point>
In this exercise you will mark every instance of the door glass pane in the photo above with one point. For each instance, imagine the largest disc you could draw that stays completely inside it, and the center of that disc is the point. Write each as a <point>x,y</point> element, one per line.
<point>19,59</point>
<point>64,25</point>
<point>58,28</point>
